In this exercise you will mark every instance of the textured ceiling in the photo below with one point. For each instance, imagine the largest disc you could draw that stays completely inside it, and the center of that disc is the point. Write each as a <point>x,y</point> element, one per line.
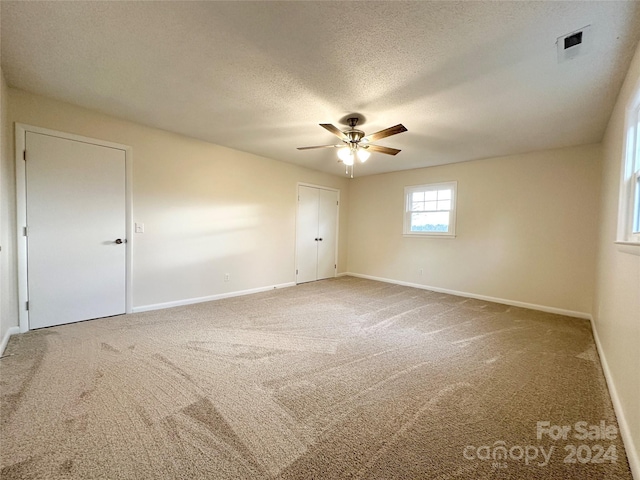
<point>469,80</point>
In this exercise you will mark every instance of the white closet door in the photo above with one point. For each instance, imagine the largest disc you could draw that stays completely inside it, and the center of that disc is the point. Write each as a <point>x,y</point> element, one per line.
<point>316,234</point>
<point>327,218</point>
<point>307,234</point>
<point>76,221</point>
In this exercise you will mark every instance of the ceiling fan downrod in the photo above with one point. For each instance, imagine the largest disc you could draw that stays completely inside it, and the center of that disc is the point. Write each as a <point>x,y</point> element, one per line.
<point>353,135</point>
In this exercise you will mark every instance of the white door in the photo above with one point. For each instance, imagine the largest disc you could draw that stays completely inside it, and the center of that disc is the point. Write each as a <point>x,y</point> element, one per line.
<point>76,217</point>
<point>327,238</point>
<point>316,235</point>
<point>307,235</point>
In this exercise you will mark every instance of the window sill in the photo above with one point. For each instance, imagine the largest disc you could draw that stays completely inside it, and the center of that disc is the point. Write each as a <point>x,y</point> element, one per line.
<point>428,235</point>
<point>628,247</point>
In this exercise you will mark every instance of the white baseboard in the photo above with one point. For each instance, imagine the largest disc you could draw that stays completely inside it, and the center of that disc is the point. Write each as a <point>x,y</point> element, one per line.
<point>190,301</point>
<point>532,306</point>
<point>5,340</point>
<point>625,431</point>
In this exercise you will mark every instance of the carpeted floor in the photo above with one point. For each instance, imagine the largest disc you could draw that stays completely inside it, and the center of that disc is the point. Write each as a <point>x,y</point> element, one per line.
<point>343,378</point>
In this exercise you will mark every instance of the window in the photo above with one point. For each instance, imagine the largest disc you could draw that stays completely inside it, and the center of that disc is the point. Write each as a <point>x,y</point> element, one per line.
<point>629,221</point>
<point>430,210</point>
<point>636,203</point>
<point>634,190</point>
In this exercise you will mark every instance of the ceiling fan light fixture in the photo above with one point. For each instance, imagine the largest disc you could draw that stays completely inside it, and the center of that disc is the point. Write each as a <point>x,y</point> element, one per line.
<point>363,155</point>
<point>346,155</point>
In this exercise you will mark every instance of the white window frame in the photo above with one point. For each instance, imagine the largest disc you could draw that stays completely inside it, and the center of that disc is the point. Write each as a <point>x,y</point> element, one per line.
<point>409,190</point>
<point>629,207</point>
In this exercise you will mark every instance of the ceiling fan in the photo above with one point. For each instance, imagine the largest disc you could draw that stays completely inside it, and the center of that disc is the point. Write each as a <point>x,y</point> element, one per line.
<point>356,145</point>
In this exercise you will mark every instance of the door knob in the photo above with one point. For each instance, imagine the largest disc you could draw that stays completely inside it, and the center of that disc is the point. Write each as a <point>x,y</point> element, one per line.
<point>119,241</point>
<point>320,239</point>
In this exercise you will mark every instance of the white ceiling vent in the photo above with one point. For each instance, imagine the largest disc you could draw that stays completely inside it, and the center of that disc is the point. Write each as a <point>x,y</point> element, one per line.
<point>574,44</point>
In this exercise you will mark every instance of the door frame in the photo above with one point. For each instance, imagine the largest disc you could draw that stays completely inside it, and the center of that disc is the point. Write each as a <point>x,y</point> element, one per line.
<point>21,211</point>
<point>295,250</point>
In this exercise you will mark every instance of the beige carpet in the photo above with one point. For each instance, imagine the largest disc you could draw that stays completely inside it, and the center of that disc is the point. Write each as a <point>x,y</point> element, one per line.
<point>344,378</point>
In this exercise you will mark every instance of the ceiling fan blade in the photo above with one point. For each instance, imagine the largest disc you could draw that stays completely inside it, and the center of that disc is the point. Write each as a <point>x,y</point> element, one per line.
<point>333,130</point>
<point>320,146</point>
<point>380,149</point>
<point>387,132</point>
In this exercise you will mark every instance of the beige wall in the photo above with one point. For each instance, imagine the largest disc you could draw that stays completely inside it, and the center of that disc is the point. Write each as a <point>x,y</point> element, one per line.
<point>617,305</point>
<point>526,228</point>
<point>207,210</point>
<point>8,272</point>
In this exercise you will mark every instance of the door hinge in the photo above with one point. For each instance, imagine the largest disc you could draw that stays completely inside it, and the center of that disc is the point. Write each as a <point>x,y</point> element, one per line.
<point>27,305</point>
<point>335,266</point>
<point>296,271</point>
<point>337,203</point>
<point>25,231</point>
<point>24,155</point>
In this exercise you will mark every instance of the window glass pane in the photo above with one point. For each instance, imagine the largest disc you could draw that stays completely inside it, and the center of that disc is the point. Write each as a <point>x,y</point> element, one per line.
<point>417,206</point>
<point>444,194</point>
<point>430,222</point>
<point>430,206</point>
<point>444,205</point>
<point>431,195</point>
<point>636,211</point>
<point>417,197</point>
<point>636,167</point>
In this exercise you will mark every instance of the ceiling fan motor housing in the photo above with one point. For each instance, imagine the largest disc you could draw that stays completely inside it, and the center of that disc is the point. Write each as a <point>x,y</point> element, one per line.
<point>353,135</point>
